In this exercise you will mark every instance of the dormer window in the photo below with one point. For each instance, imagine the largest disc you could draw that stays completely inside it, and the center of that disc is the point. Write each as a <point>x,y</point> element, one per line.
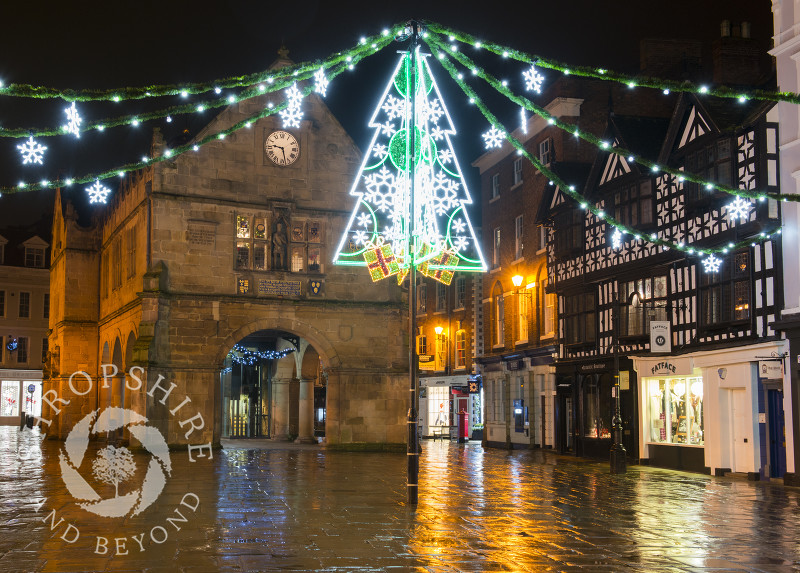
<point>34,257</point>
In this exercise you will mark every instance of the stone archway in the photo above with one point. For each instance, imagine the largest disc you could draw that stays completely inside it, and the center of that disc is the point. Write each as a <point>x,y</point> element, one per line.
<point>267,387</point>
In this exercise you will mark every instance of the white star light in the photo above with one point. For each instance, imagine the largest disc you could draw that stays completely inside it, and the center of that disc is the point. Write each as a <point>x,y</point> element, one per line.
<point>461,243</point>
<point>321,82</point>
<point>740,208</point>
<point>616,239</point>
<point>493,138</point>
<point>97,193</point>
<point>74,121</point>
<point>292,114</point>
<point>437,133</point>
<point>31,151</point>
<point>711,264</point>
<point>533,79</point>
<point>360,237</point>
<point>459,225</point>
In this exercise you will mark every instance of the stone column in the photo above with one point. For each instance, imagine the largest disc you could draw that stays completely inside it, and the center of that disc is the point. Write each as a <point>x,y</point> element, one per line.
<point>306,411</point>
<point>280,409</point>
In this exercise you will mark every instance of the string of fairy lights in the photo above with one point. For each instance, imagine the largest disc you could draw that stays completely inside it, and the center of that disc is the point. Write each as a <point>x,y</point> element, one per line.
<point>32,152</point>
<point>739,209</point>
<point>297,81</point>
<point>250,356</point>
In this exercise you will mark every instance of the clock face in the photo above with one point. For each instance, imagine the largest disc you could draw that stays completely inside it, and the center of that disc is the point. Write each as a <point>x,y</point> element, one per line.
<point>282,148</point>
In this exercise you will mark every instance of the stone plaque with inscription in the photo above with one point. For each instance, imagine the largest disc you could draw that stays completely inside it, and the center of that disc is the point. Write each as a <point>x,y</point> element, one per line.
<point>278,288</point>
<point>201,233</point>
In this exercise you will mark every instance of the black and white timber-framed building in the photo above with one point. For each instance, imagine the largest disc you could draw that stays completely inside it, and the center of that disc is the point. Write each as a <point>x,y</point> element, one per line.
<point>712,399</point>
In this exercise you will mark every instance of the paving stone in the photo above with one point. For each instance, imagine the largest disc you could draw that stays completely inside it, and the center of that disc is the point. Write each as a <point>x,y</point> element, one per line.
<point>307,509</point>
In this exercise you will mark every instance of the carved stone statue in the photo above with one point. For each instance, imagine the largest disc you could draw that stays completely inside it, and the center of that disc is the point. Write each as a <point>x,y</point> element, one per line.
<point>280,240</point>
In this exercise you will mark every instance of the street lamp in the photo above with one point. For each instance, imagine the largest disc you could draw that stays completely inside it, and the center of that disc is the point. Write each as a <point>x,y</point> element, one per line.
<point>617,454</point>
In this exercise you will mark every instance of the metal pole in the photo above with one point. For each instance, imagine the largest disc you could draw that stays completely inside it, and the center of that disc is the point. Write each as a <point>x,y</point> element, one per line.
<point>413,440</point>
<point>618,459</point>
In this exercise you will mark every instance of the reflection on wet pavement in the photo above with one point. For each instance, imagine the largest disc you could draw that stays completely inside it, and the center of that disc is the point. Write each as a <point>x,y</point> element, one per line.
<point>312,510</point>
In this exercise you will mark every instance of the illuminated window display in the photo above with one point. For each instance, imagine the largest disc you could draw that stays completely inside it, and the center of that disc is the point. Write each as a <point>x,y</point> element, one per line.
<point>439,406</point>
<point>9,398</point>
<point>597,407</point>
<point>675,410</point>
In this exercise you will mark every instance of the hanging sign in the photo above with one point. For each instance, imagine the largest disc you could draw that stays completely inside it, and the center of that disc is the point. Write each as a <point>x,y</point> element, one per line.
<point>660,337</point>
<point>770,370</point>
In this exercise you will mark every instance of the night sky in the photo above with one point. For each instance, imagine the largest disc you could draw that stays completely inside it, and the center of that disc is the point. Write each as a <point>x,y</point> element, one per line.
<point>113,44</point>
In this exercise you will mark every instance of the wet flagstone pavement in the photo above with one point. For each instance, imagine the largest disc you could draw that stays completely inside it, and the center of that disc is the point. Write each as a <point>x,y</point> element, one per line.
<point>307,509</point>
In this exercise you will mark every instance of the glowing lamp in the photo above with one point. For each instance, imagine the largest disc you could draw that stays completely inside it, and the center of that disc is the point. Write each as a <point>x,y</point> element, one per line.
<point>517,280</point>
<point>438,329</point>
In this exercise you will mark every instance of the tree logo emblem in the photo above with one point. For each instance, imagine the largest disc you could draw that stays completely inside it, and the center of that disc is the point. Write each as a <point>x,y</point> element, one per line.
<point>115,465</point>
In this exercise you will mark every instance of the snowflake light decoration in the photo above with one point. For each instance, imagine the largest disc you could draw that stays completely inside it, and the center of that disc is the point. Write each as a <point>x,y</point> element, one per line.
<point>493,138</point>
<point>740,208</point>
<point>292,114</point>
<point>321,82</point>
<point>32,152</point>
<point>74,121</point>
<point>711,264</point>
<point>533,79</point>
<point>378,235</point>
<point>97,193</point>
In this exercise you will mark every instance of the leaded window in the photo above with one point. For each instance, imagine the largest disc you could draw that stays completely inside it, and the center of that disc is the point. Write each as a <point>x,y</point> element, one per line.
<point>726,294</point>
<point>580,313</point>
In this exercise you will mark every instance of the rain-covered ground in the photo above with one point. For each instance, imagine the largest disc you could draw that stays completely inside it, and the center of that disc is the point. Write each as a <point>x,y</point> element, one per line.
<point>307,509</point>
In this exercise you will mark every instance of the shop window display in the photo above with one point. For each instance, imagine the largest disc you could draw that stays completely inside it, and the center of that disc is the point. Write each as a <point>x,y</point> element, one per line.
<point>439,406</point>
<point>9,398</point>
<point>676,411</point>
<point>597,407</point>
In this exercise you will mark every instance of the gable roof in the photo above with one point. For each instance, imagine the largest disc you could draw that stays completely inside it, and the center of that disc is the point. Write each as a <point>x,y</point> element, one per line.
<point>643,136</point>
<point>695,117</point>
<point>553,198</point>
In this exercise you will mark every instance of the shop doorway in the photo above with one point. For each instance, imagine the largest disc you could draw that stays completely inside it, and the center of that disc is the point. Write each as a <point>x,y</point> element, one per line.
<point>777,433</point>
<point>565,420</point>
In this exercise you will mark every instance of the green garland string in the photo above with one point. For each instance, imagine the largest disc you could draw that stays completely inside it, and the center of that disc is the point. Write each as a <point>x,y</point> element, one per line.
<point>135,93</point>
<point>278,81</point>
<point>443,56</point>
<point>609,75</point>
<point>601,145</point>
<point>173,153</point>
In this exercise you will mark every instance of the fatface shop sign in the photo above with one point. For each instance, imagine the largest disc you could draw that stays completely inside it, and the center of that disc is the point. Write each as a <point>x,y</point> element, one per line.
<point>662,368</point>
<point>675,366</point>
<point>660,339</point>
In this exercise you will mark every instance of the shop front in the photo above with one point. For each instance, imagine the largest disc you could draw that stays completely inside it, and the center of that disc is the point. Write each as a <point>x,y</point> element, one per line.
<point>716,412</point>
<point>672,413</point>
<point>585,407</point>
<point>442,399</point>
<point>20,392</point>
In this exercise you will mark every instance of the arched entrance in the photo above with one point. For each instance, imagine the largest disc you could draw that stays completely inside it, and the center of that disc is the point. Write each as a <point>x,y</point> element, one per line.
<point>272,385</point>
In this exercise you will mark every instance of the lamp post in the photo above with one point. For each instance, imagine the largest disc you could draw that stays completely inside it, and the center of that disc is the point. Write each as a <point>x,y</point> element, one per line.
<point>618,460</point>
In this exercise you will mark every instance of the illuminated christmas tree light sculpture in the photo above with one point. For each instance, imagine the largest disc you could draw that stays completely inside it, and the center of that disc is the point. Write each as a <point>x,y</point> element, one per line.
<point>380,234</point>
